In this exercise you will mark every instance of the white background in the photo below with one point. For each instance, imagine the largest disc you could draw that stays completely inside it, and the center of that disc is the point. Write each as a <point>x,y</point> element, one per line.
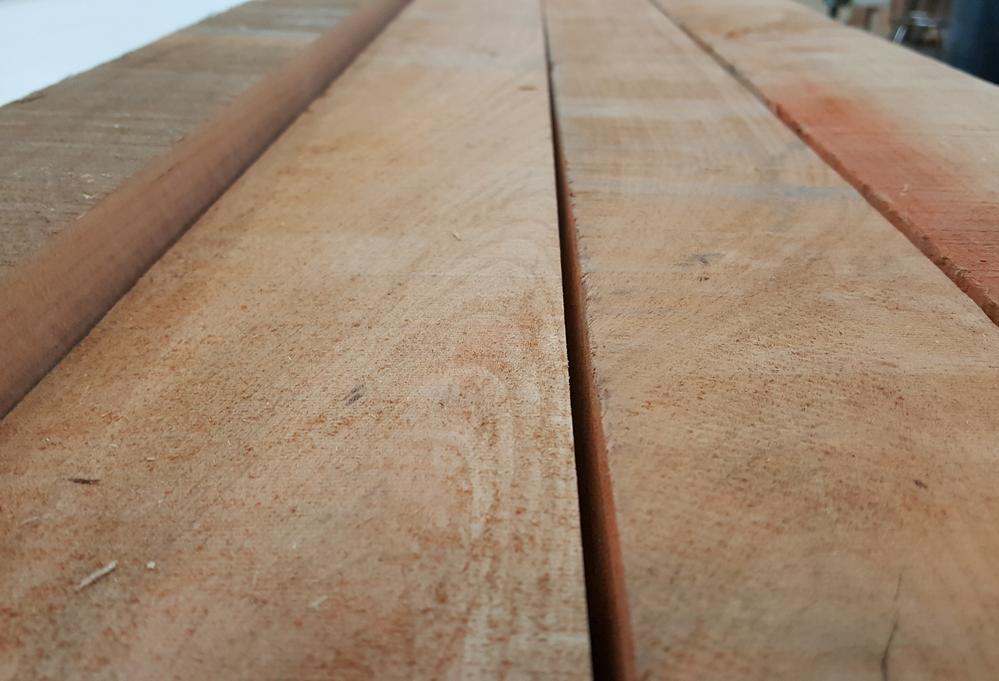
<point>44,41</point>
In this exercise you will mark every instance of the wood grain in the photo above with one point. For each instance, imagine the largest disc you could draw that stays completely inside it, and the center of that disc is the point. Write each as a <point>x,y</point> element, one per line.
<point>795,406</point>
<point>919,139</point>
<point>100,173</point>
<point>335,414</point>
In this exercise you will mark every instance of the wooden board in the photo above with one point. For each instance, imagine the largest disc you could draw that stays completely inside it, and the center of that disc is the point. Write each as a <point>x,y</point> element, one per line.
<point>795,406</point>
<point>335,414</point>
<point>919,139</point>
<point>100,173</point>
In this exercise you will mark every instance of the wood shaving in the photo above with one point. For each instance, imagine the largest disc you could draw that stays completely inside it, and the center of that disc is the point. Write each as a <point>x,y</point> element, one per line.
<point>97,574</point>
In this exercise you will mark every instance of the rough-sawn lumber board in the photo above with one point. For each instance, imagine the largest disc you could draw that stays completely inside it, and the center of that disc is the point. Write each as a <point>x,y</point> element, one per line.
<point>335,414</point>
<point>101,172</point>
<point>919,139</point>
<point>796,407</point>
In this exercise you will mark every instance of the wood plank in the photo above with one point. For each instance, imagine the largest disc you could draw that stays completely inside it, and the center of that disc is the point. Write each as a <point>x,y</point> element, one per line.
<point>795,406</point>
<point>335,414</point>
<point>919,139</point>
<point>101,172</point>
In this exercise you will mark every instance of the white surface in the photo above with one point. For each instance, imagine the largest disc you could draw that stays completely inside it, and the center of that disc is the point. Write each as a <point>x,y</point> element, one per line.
<point>45,41</point>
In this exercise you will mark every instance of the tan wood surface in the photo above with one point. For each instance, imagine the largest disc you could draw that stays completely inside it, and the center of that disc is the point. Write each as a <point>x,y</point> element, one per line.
<point>795,406</point>
<point>335,415</point>
<point>918,138</point>
<point>101,172</point>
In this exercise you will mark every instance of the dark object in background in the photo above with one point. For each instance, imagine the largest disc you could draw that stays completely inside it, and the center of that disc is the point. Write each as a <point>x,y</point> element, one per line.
<point>834,5</point>
<point>973,39</point>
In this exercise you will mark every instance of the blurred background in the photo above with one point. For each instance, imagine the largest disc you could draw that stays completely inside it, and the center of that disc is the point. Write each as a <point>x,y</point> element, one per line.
<point>44,41</point>
<point>964,33</point>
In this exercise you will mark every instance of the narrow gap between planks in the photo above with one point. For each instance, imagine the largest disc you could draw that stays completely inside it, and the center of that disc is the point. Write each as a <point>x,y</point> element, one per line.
<point>611,646</point>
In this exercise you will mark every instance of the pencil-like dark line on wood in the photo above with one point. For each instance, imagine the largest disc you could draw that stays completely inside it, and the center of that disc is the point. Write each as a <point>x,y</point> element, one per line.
<point>611,645</point>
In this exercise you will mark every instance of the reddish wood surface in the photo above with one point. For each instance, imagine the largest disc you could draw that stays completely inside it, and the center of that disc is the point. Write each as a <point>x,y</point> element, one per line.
<point>793,406</point>
<point>335,413</point>
<point>919,139</point>
<point>101,172</point>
